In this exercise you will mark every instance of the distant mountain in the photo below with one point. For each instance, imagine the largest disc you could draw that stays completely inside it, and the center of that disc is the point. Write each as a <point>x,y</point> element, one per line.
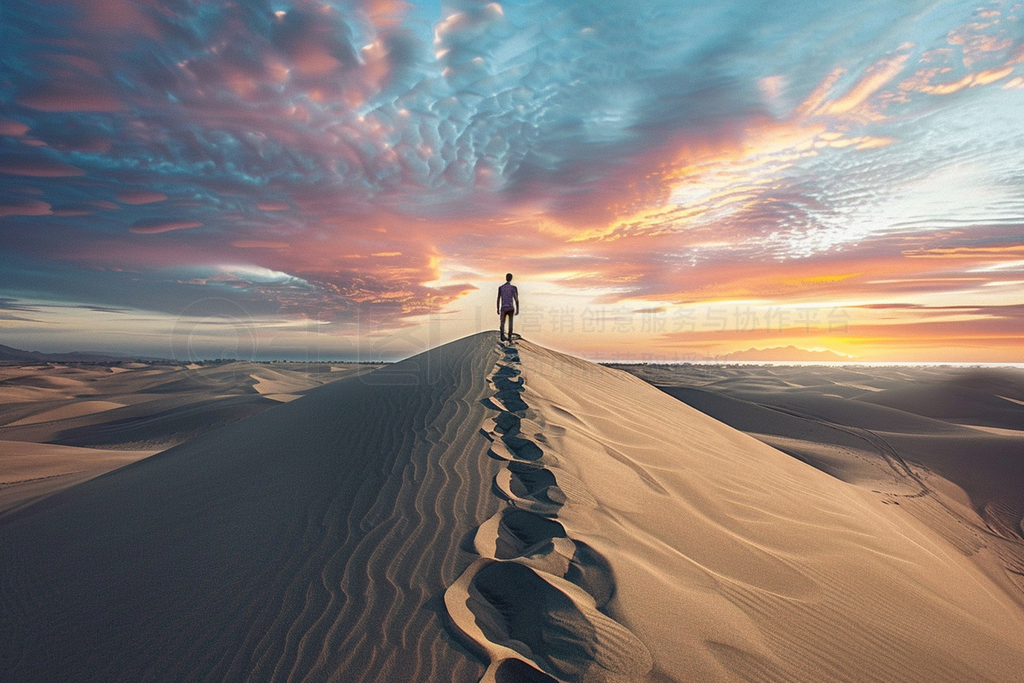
<point>785,353</point>
<point>11,354</point>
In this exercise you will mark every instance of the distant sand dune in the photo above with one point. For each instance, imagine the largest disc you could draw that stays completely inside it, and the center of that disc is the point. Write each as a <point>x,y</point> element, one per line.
<point>76,409</point>
<point>30,472</point>
<point>918,439</point>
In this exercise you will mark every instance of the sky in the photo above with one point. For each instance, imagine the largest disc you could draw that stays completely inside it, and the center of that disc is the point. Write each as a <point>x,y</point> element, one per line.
<point>667,180</point>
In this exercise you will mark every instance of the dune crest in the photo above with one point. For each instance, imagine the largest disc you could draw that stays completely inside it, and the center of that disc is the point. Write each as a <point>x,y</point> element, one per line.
<point>532,601</point>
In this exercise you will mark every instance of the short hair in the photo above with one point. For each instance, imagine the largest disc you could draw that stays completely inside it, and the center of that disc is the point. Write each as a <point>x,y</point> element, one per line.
<point>508,277</point>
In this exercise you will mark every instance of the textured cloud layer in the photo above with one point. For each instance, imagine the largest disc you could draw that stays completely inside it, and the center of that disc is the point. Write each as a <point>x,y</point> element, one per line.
<point>394,156</point>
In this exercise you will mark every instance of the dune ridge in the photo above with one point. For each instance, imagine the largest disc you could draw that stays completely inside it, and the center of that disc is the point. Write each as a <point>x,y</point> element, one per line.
<point>532,601</point>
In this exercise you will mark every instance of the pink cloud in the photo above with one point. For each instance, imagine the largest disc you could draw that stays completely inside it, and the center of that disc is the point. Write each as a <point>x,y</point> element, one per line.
<point>259,244</point>
<point>38,168</point>
<point>152,227</point>
<point>140,197</point>
<point>12,128</point>
<point>112,16</point>
<point>84,208</point>
<point>63,96</point>
<point>273,206</point>
<point>25,207</point>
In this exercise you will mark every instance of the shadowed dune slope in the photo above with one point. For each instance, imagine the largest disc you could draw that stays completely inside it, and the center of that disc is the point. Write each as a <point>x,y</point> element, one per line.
<point>959,399</point>
<point>311,542</point>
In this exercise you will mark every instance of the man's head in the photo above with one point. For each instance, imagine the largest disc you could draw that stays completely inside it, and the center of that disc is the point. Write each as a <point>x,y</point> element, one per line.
<point>508,277</point>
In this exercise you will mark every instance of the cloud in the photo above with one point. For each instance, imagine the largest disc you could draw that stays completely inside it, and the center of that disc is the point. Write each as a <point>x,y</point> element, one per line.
<point>149,226</point>
<point>25,207</point>
<point>67,97</point>
<point>259,244</point>
<point>38,167</point>
<point>647,152</point>
<point>13,128</point>
<point>11,304</point>
<point>138,197</point>
<point>996,252</point>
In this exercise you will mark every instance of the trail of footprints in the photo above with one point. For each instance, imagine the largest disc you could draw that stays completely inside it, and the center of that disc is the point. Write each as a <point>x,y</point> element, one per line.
<point>533,599</point>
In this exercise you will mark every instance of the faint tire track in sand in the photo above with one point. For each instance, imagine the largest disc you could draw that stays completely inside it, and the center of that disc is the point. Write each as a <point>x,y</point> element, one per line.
<point>877,443</point>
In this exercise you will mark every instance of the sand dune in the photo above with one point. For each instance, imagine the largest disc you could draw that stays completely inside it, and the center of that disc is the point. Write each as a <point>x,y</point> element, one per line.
<point>733,561</point>
<point>75,409</point>
<point>482,512</point>
<point>61,425</point>
<point>908,438</point>
<point>312,543</point>
<point>30,472</point>
<point>131,407</point>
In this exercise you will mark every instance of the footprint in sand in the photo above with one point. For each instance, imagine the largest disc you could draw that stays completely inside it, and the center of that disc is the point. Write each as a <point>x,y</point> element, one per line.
<point>516,533</point>
<point>517,671</point>
<point>516,448</point>
<point>530,487</point>
<point>543,544</point>
<point>506,423</point>
<point>546,621</point>
<point>504,383</point>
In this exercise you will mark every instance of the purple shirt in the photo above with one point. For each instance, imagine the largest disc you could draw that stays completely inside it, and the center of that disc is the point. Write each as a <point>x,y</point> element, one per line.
<point>508,294</point>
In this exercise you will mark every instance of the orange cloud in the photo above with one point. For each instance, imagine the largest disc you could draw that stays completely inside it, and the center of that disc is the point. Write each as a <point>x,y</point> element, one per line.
<point>969,81</point>
<point>1013,250</point>
<point>876,78</point>
<point>821,279</point>
<point>259,244</point>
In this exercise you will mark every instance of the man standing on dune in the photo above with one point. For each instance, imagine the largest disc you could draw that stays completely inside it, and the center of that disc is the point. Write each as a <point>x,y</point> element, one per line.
<point>507,294</point>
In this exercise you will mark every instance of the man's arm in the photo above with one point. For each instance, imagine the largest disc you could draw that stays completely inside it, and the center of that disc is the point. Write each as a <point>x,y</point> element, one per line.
<point>515,295</point>
<point>498,304</point>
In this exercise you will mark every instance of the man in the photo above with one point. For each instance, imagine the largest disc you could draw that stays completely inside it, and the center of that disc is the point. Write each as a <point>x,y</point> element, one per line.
<point>507,294</point>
